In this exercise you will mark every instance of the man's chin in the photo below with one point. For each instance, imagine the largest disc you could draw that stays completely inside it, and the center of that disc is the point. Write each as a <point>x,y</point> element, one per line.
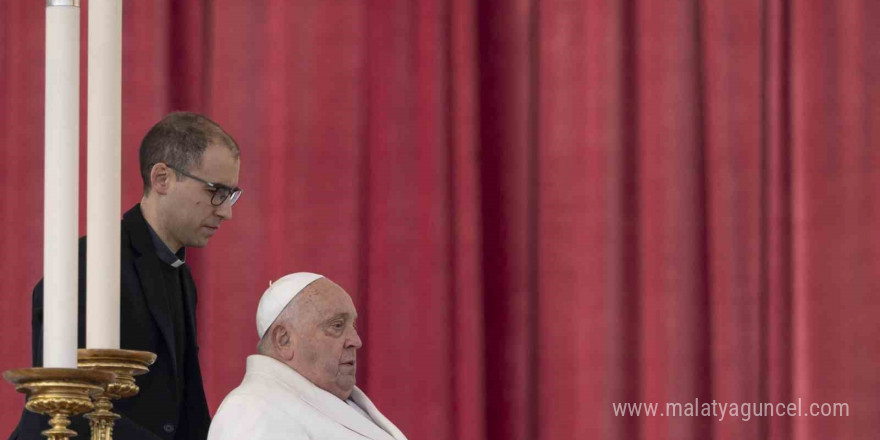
<point>346,392</point>
<point>346,383</point>
<point>198,242</point>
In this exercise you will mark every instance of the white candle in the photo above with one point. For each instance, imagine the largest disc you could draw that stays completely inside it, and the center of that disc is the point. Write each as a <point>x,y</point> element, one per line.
<point>61,186</point>
<point>104,175</point>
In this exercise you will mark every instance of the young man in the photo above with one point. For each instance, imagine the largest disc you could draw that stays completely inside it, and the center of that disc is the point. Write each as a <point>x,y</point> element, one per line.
<point>189,167</point>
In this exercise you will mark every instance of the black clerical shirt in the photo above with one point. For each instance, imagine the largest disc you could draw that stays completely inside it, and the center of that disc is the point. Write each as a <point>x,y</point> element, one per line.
<point>172,282</point>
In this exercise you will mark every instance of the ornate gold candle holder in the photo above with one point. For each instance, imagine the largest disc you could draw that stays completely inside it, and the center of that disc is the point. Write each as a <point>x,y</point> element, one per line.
<point>124,364</point>
<point>59,393</point>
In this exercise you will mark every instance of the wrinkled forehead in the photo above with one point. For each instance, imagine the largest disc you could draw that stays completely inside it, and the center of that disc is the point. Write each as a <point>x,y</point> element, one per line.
<point>324,299</point>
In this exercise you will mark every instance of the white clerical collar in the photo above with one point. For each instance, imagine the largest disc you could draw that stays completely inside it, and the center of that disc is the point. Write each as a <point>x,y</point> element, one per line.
<point>358,408</point>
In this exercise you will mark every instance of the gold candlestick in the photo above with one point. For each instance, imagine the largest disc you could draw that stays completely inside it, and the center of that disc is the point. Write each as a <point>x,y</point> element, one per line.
<point>59,393</point>
<point>124,364</point>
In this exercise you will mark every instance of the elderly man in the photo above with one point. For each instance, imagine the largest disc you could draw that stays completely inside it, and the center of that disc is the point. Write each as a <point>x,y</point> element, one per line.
<point>189,167</point>
<point>301,385</point>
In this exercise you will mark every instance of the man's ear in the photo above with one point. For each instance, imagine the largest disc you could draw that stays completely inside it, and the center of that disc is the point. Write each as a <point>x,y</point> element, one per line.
<point>282,342</point>
<point>160,178</point>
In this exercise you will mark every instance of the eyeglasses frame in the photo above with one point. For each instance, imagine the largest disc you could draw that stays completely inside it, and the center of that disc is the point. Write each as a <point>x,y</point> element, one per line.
<point>234,193</point>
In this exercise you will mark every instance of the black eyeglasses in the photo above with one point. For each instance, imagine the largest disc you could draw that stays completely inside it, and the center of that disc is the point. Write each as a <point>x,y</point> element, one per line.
<point>221,191</point>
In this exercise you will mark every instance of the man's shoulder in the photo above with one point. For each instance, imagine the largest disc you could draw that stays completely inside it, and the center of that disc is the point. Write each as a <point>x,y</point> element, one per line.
<point>261,388</point>
<point>248,411</point>
<point>136,237</point>
<point>132,222</point>
<point>265,392</point>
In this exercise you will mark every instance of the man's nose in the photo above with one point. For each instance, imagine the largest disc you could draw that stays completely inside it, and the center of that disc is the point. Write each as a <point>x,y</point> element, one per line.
<point>224,211</point>
<point>355,340</point>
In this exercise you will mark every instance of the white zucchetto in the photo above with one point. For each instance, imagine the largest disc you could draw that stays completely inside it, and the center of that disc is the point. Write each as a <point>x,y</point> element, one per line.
<point>278,295</point>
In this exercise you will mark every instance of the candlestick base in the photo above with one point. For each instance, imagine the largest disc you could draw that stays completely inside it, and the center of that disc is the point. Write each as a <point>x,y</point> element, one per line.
<point>124,364</point>
<point>59,393</point>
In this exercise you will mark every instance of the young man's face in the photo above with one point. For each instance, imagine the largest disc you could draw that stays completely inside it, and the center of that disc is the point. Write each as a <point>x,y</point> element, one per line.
<point>191,218</point>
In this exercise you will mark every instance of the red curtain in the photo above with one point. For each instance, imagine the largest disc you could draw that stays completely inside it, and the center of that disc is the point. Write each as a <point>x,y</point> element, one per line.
<point>541,208</point>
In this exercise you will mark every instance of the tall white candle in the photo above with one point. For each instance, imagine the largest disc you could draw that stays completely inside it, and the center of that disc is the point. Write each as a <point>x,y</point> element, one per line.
<point>61,185</point>
<point>104,175</point>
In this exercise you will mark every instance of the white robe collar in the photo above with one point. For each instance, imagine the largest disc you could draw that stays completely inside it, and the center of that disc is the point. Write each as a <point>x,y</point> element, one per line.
<point>328,404</point>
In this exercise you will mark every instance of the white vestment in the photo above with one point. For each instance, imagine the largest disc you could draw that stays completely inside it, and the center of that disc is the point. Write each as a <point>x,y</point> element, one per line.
<point>275,402</point>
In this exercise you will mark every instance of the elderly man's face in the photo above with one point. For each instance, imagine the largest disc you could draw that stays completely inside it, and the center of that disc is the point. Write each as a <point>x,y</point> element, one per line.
<point>326,341</point>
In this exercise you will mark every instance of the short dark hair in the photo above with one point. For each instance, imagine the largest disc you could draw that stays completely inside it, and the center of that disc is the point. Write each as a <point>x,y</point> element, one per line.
<point>179,140</point>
